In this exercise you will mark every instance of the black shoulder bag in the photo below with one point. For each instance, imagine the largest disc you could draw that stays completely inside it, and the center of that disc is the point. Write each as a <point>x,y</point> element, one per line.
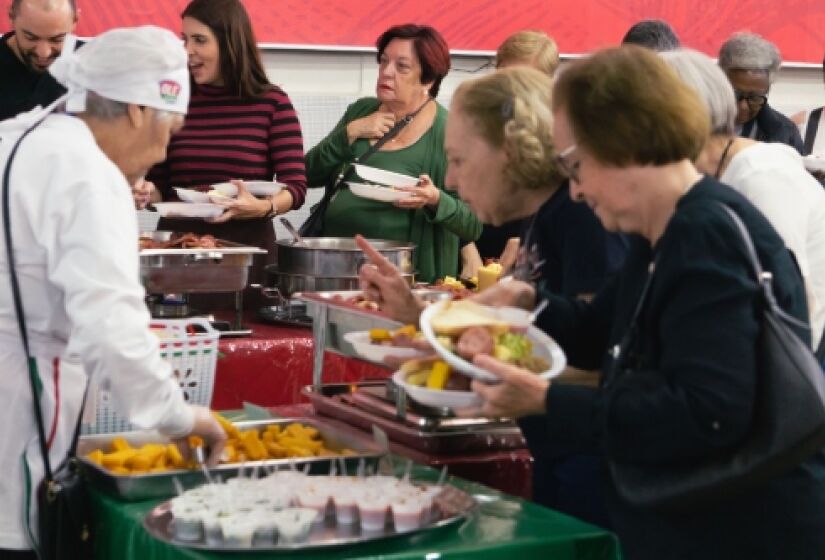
<point>787,428</point>
<point>64,511</point>
<point>314,224</point>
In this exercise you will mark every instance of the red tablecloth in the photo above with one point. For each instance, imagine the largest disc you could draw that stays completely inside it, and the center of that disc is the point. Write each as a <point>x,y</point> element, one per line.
<point>270,367</point>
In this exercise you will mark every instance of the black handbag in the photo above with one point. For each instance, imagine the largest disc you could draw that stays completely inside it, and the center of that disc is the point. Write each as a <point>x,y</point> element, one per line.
<point>64,528</point>
<point>314,224</point>
<point>788,424</point>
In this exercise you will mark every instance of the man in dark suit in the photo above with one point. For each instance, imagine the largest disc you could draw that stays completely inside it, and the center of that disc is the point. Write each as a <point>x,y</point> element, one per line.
<point>751,62</point>
<point>36,40</point>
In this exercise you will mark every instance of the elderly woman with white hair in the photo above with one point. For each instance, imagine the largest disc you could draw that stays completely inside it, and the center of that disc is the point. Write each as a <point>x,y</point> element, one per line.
<point>72,232</point>
<point>750,63</point>
<point>770,175</point>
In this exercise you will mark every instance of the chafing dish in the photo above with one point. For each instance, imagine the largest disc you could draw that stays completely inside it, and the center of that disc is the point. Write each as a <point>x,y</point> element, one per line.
<point>158,485</point>
<point>221,269</point>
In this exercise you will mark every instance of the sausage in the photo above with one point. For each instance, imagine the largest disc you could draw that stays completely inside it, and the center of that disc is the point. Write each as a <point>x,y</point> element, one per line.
<point>457,382</point>
<point>474,341</point>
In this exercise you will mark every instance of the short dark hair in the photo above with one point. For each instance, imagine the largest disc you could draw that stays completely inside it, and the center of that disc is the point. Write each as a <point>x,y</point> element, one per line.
<point>430,48</point>
<point>240,59</point>
<point>15,7</point>
<point>614,103</point>
<point>652,33</point>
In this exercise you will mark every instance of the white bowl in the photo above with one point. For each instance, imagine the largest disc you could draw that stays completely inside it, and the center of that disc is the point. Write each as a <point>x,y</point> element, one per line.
<point>437,397</point>
<point>188,210</point>
<point>378,352</point>
<point>814,163</point>
<point>384,177</point>
<point>191,195</point>
<point>543,347</point>
<point>377,192</point>
<point>255,188</point>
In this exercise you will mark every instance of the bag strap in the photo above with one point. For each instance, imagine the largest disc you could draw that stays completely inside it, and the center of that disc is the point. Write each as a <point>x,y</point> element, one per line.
<point>391,133</point>
<point>811,129</point>
<point>34,375</point>
<point>764,278</point>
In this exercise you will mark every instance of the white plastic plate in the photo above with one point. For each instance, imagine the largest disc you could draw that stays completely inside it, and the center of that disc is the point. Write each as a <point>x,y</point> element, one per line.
<point>255,188</point>
<point>378,352</point>
<point>377,192</point>
<point>383,177</point>
<point>543,346</point>
<point>437,397</point>
<point>188,210</point>
<point>191,195</point>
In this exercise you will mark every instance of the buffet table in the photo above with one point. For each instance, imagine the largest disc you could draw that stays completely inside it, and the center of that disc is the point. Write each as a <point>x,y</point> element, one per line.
<point>503,526</point>
<point>269,367</point>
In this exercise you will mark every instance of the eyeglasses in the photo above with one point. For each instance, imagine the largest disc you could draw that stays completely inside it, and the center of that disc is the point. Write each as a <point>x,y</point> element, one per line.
<point>569,169</point>
<point>754,99</point>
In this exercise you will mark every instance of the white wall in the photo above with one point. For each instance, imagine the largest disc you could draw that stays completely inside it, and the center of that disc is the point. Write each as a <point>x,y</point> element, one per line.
<point>321,84</point>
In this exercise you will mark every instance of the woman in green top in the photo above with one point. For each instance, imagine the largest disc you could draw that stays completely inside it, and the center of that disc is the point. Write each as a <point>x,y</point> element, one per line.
<point>412,62</point>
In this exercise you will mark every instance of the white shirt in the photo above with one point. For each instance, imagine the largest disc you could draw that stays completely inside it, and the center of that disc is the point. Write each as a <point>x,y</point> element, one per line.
<point>73,232</point>
<point>772,177</point>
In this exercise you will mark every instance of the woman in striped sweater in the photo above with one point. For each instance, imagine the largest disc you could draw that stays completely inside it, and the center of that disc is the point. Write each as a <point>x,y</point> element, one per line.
<point>239,126</point>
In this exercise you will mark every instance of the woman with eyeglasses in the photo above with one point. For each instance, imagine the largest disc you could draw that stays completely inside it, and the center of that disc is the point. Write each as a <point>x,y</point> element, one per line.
<point>750,63</point>
<point>499,147</point>
<point>683,391</point>
<point>770,175</point>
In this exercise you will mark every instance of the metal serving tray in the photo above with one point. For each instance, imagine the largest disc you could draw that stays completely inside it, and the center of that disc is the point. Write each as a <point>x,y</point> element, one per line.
<point>326,533</point>
<point>333,317</point>
<point>222,269</point>
<point>160,485</point>
<point>435,435</point>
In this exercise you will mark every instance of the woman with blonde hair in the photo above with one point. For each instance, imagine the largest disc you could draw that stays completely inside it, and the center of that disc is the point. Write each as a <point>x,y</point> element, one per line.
<point>529,48</point>
<point>500,156</point>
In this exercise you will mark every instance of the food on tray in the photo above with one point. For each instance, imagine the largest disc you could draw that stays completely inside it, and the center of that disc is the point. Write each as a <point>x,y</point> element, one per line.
<point>181,241</point>
<point>357,300</point>
<point>456,287</point>
<point>468,330</point>
<point>433,373</point>
<point>282,508</point>
<point>272,442</point>
<point>407,336</point>
<point>488,275</point>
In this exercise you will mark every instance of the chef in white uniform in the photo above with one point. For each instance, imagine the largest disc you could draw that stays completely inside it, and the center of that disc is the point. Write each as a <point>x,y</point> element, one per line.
<point>74,230</point>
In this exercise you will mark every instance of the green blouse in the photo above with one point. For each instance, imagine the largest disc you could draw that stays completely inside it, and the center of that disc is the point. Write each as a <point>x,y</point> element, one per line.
<point>436,232</point>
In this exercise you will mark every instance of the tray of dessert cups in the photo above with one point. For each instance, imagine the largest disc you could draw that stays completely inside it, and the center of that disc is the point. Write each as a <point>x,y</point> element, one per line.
<point>289,510</point>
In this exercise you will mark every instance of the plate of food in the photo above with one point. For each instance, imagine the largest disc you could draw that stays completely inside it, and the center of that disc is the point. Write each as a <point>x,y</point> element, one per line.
<point>384,177</point>
<point>432,382</point>
<point>460,330</point>
<point>188,210</point>
<point>377,192</point>
<point>255,188</point>
<point>378,344</point>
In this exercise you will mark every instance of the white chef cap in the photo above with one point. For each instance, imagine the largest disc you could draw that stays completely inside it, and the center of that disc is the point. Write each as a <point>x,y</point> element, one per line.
<point>140,65</point>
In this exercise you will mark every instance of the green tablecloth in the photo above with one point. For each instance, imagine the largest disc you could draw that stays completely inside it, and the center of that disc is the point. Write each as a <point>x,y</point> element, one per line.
<point>502,527</point>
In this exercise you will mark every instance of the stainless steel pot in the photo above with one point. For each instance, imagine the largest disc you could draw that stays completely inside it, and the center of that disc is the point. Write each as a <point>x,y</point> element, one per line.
<point>330,264</point>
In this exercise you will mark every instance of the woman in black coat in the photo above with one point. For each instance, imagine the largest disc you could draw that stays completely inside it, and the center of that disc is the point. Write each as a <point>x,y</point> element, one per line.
<point>688,395</point>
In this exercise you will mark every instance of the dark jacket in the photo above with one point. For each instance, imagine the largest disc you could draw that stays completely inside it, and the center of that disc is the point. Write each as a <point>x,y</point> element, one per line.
<point>773,126</point>
<point>690,394</point>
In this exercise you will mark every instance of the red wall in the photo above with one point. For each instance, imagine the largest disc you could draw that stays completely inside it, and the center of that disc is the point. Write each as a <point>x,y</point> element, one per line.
<point>797,26</point>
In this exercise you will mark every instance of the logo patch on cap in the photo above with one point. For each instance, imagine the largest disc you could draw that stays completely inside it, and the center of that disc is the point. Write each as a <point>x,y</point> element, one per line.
<point>169,91</point>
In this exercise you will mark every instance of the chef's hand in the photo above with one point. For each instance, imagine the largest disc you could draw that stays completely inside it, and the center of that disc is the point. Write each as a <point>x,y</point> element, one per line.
<point>513,293</point>
<point>382,283</point>
<point>142,193</point>
<point>206,427</point>
<point>519,393</point>
<point>242,207</point>
<point>425,193</point>
<point>371,127</point>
